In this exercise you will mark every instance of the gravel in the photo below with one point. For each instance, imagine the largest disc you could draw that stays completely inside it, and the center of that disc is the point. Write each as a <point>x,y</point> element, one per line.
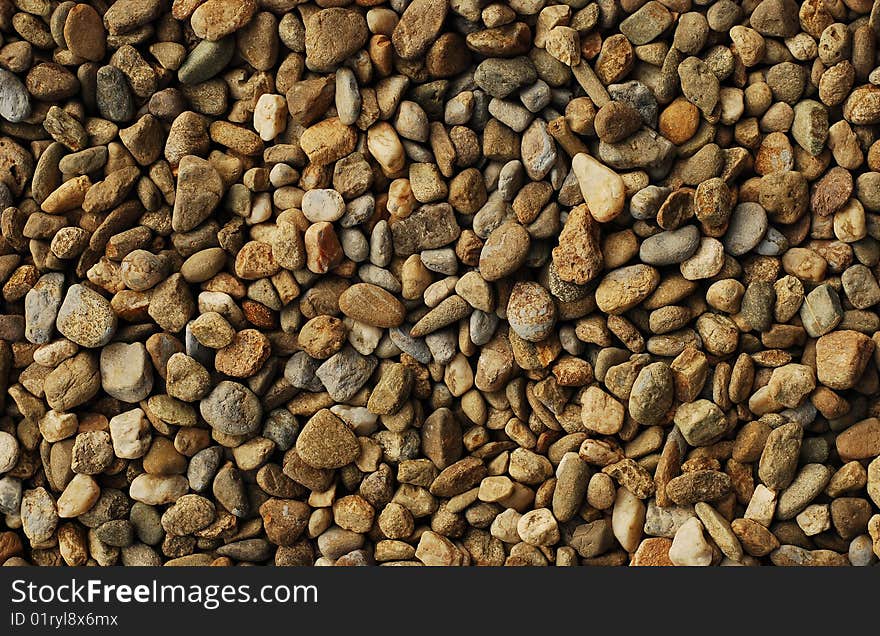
<point>438,283</point>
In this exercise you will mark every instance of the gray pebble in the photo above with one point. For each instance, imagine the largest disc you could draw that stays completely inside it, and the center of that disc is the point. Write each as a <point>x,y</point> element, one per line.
<point>748,225</point>
<point>644,149</point>
<point>112,504</point>
<point>358,210</point>
<point>416,152</point>
<point>354,244</point>
<point>501,77</point>
<point>115,101</point>
<point>482,326</point>
<point>491,216</point>
<point>665,521</point>
<point>670,247</point>
<point>639,97</point>
<point>381,247</point>
<point>85,161</point>
<point>206,60</point>
<point>147,523</point>
<point>348,96</point>
<point>345,372</point>
<point>861,551</point>
<point>232,408</point>
<point>536,96</point>
<point>117,532</point>
<point>774,243</point>
<point>416,347</point>
<point>821,311</point>
<point>203,466</point>
<point>10,495</point>
<point>570,342</point>
<point>805,414</point>
<point>511,115</point>
<point>380,277</point>
<point>300,372</point>
<point>860,286</point>
<point>386,348</point>
<point>538,150</point>
<point>805,487</point>
<point>646,202</point>
<point>443,345</point>
<point>282,428</point>
<point>15,105</point>
<point>756,308</point>
<point>443,261</point>
<point>41,307</point>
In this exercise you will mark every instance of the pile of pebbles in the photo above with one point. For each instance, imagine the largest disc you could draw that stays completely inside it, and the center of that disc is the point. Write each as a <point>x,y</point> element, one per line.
<point>440,282</point>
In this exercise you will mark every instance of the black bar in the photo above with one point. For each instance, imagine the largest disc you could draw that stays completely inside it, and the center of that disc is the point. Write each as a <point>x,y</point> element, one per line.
<point>651,601</point>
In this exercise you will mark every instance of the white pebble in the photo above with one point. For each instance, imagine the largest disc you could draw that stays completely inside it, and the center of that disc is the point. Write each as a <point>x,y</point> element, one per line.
<point>323,204</point>
<point>270,116</point>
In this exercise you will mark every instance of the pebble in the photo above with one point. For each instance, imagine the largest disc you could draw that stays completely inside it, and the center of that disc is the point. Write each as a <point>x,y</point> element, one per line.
<point>9,452</point>
<point>39,517</point>
<point>689,547</point>
<point>331,36</point>
<point>85,317</point>
<point>327,442</point>
<point>504,251</point>
<point>231,408</point>
<point>626,287</point>
<point>114,99</point>
<point>206,60</point>
<point>41,306</point>
<point>323,205</point>
<point>821,311</point>
<point>779,457</point>
<point>841,358</point>
<point>344,373</point>
<point>199,189</point>
<point>534,283</point>
<point>670,247</point>
<point>126,373</point>
<point>15,105</point>
<point>602,188</point>
<point>130,434</point>
<point>748,225</point>
<point>531,311</point>
<point>217,18</point>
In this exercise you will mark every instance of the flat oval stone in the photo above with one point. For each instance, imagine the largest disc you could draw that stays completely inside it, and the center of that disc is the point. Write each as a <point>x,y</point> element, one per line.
<point>748,225</point>
<point>860,441</point>
<point>624,288</point>
<point>15,104</point>
<point>115,101</point>
<point>670,247</point>
<point>206,60</point>
<point>372,305</point>
<point>504,252</point>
